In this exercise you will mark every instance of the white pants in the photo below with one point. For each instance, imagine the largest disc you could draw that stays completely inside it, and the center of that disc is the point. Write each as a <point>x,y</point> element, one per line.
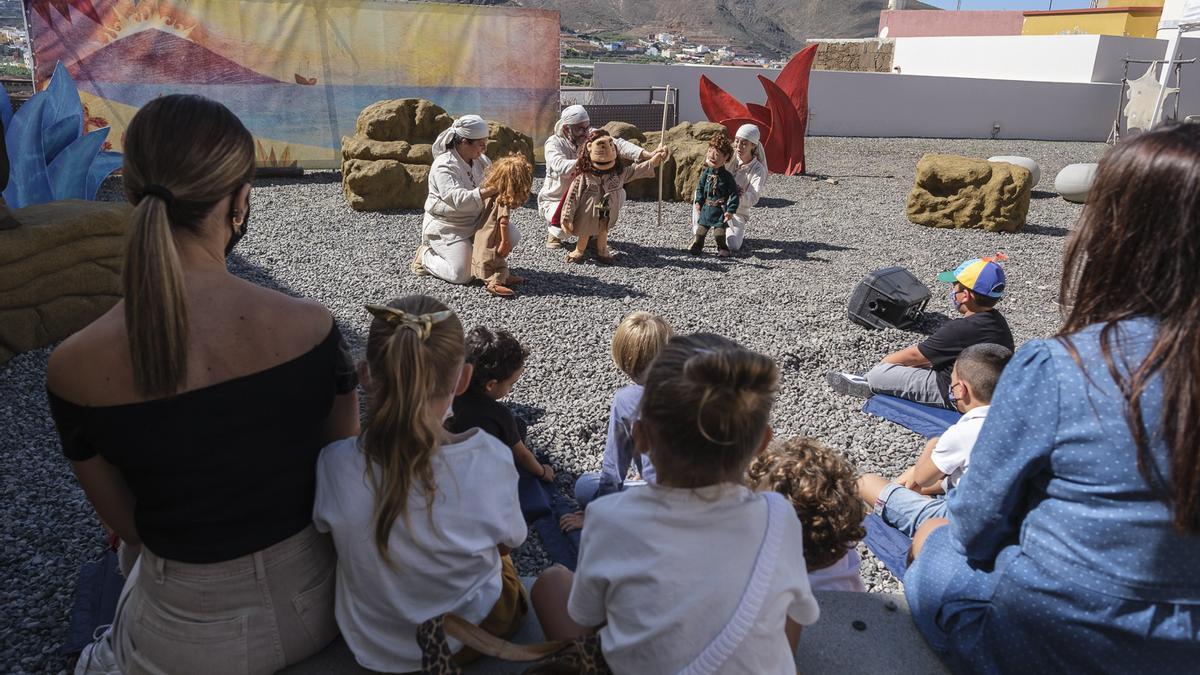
<point>735,231</point>
<point>450,259</point>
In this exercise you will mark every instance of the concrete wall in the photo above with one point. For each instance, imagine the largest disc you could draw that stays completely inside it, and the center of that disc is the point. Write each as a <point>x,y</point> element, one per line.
<point>891,105</point>
<point>931,23</point>
<point>1039,58</point>
<point>1134,22</point>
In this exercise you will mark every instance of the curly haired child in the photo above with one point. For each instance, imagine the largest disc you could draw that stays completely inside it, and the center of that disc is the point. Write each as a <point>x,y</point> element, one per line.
<point>512,179</point>
<point>717,196</point>
<point>820,485</point>
<point>695,572</point>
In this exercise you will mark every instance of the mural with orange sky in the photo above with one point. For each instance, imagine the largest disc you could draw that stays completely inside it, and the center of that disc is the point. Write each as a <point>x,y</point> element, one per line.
<point>298,72</point>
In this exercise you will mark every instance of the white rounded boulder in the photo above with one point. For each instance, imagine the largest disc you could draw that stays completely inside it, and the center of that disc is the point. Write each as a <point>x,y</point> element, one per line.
<point>1075,181</point>
<point>1024,162</point>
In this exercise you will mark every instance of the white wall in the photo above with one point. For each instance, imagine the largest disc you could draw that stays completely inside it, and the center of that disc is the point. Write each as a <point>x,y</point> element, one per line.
<point>1171,16</point>
<point>891,105</point>
<point>1036,58</point>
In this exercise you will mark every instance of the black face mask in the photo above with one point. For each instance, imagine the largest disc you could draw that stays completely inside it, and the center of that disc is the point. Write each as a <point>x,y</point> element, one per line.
<point>238,234</point>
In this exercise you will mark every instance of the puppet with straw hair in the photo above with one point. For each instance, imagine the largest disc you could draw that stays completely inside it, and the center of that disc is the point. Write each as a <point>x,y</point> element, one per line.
<point>591,205</point>
<point>512,178</point>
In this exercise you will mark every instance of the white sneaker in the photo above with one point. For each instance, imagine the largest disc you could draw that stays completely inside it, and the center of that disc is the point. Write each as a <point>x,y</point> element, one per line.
<point>849,384</point>
<point>98,658</point>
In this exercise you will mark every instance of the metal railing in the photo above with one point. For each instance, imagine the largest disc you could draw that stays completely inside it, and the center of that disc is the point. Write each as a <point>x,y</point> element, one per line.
<point>607,104</point>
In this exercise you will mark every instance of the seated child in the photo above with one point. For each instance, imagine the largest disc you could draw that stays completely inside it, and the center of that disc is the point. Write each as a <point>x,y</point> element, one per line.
<point>638,339</point>
<point>498,361</point>
<point>717,196</point>
<point>695,568</point>
<point>918,494</point>
<point>819,483</point>
<point>513,177</point>
<point>422,519</point>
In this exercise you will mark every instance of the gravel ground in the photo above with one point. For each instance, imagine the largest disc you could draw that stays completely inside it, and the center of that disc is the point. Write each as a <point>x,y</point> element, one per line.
<point>810,242</point>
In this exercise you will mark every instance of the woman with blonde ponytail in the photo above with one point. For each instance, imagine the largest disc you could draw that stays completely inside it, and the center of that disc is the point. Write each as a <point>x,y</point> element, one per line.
<point>193,413</point>
<point>422,519</point>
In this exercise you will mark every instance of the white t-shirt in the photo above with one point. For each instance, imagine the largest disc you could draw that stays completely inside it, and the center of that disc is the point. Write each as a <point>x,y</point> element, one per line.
<point>843,575</point>
<point>452,566</point>
<point>665,569</point>
<point>952,453</point>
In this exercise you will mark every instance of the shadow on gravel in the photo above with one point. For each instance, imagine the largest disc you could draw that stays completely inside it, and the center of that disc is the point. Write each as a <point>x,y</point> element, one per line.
<point>549,283</point>
<point>930,322</point>
<point>668,256</point>
<point>311,178</point>
<point>772,249</point>
<point>774,203</point>
<point>530,414</point>
<point>1046,230</point>
<point>1042,194</point>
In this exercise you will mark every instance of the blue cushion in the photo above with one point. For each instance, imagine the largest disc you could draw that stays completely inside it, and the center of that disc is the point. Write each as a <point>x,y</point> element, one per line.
<point>923,419</point>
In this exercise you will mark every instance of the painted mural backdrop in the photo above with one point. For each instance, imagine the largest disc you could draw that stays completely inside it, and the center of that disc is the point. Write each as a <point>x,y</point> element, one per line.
<point>298,72</point>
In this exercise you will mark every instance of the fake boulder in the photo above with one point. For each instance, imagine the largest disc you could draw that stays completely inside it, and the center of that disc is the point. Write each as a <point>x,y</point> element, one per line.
<point>1034,170</point>
<point>1074,182</point>
<point>961,192</point>
<point>688,143</point>
<point>59,271</point>
<point>385,164</point>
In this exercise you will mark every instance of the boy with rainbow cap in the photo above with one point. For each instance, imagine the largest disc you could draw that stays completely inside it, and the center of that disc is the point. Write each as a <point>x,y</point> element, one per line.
<point>922,371</point>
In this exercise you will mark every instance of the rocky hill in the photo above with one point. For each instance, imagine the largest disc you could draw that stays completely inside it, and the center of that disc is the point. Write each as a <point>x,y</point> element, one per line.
<point>779,26</point>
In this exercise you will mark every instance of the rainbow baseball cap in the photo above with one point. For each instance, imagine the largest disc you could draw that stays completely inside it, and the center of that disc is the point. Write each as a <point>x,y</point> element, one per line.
<point>982,275</point>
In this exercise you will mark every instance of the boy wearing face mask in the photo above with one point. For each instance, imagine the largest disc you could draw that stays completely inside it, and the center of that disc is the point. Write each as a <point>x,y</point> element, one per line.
<point>922,372</point>
<point>920,493</point>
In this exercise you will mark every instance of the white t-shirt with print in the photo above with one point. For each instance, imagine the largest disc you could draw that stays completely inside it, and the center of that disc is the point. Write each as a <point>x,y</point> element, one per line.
<point>843,575</point>
<point>665,569</point>
<point>449,565</point>
<point>952,453</point>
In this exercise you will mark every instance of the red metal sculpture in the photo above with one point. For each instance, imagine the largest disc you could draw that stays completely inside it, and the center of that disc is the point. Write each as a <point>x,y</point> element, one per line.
<point>783,121</point>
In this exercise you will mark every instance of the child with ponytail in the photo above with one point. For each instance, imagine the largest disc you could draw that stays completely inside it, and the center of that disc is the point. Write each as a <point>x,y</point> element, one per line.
<point>696,572</point>
<point>422,519</point>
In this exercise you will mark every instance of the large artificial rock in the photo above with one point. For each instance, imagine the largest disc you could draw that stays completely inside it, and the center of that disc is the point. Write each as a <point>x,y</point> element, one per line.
<point>688,143</point>
<point>1034,170</point>
<point>961,192</point>
<point>503,140</point>
<point>1074,182</point>
<point>385,164</point>
<point>59,271</point>
<point>625,131</point>
<point>406,119</point>
<point>384,184</point>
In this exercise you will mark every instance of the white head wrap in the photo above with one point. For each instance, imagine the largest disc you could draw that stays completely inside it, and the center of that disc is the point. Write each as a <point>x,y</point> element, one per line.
<point>751,133</point>
<point>571,115</point>
<point>471,127</point>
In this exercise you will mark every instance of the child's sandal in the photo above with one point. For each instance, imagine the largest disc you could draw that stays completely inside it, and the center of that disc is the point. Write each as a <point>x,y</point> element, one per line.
<point>499,290</point>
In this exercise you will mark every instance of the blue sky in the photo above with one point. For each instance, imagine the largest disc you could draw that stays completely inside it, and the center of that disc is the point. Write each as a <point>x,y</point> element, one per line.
<point>1011,4</point>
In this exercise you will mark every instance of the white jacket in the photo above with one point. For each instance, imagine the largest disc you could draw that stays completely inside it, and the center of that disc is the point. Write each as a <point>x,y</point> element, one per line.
<point>561,155</point>
<point>453,208</point>
<point>750,178</point>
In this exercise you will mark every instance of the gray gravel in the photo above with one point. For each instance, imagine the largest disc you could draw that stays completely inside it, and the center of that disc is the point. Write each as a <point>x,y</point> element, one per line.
<point>810,242</point>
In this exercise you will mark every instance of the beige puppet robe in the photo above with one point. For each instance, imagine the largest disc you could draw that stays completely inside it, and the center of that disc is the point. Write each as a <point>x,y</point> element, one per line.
<point>593,201</point>
<point>487,264</point>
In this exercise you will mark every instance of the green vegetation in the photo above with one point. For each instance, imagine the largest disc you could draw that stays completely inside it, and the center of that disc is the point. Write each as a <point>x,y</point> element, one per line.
<point>15,70</point>
<point>574,80</point>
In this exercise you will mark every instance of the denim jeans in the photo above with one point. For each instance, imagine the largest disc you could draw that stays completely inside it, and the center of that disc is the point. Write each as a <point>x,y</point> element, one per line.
<point>905,509</point>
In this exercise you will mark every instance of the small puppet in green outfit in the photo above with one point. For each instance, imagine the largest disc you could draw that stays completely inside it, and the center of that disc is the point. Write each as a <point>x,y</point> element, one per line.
<point>716,198</point>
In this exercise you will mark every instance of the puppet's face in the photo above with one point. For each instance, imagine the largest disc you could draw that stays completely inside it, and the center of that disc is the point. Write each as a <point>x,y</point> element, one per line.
<point>603,153</point>
<point>715,158</point>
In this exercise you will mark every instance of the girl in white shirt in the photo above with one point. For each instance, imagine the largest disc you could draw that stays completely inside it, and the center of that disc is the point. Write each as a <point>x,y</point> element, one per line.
<point>422,519</point>
<point>696,571</point>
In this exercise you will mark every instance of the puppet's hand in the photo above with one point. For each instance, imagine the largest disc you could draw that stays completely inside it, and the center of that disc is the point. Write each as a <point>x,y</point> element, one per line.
<point>728,217</point>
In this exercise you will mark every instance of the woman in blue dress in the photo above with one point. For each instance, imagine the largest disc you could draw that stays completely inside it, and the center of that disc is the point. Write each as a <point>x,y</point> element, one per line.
<point>1073,542</point>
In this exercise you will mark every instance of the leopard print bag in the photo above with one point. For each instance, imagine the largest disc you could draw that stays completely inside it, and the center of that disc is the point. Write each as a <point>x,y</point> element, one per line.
<point>581,656</point>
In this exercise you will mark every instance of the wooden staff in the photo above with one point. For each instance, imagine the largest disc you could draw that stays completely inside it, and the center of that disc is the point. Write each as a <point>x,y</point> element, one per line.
<point>662,139</point>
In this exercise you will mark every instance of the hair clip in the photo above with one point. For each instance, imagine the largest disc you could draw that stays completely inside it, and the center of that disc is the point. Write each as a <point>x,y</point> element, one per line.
<point>421,324</point>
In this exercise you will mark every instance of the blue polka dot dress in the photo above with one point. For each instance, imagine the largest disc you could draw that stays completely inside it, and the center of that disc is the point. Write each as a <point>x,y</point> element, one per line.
<point>1059,558</point>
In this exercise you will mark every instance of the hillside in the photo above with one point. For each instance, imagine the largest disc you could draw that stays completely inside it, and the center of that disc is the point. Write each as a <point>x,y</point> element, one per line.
<point>772,25</point>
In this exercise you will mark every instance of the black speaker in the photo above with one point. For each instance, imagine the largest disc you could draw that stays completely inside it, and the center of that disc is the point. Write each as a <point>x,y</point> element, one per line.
<point>888,298</point>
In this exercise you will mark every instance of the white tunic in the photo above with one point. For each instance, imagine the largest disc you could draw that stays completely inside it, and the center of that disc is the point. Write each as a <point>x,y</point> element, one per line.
<point>561,155</point>
<point>750,178</point>
<point>454,207</point>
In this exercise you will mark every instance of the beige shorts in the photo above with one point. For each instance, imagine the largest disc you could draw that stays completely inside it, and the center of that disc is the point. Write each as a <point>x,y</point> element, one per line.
<point>254,614</point>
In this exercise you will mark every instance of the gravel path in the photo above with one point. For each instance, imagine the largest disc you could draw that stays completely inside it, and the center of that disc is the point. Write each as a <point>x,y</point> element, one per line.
<point>810,242</point>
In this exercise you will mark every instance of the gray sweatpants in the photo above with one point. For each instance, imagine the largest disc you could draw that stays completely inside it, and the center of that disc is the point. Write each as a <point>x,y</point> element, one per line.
<point>906,382</point>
